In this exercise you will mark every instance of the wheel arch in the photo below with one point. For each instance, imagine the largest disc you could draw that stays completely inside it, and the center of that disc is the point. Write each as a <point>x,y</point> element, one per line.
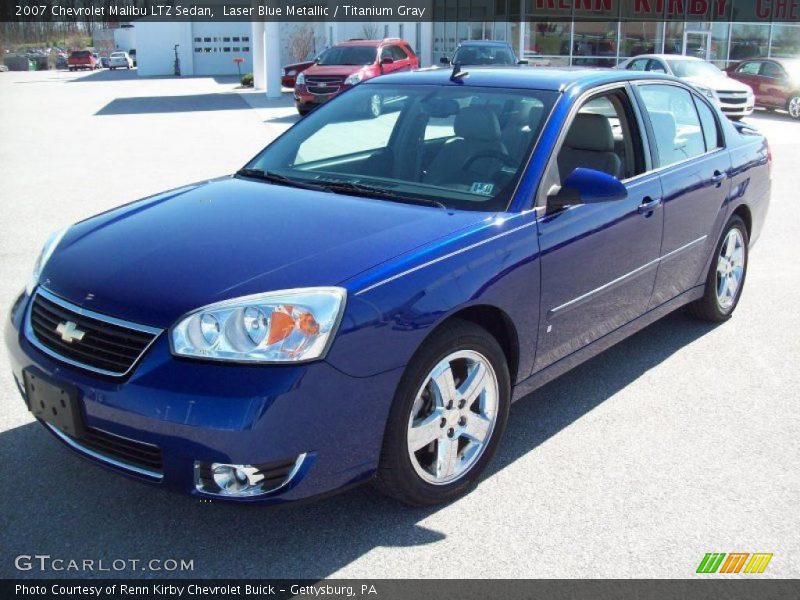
<point>743,212</point>
<point>497,322</point>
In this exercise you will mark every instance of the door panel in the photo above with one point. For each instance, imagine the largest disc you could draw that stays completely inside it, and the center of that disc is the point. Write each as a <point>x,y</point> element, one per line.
<point>598,269</point>
<point>694,173</point>
<point>693,199</point>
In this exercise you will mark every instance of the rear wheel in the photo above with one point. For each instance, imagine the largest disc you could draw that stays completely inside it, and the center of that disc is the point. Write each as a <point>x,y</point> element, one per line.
<point>726,275</point>
<point>448,416</point>
<point>793,106</point>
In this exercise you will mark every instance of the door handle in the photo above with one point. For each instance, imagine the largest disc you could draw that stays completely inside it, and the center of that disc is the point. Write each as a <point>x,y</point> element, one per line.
<point>718,178</point>
<point>648,205</point>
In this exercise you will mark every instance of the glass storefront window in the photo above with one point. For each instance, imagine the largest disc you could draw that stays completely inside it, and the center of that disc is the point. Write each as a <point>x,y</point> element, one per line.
<point>785,41</point>
<point>673,38</point>
<point>719,44</point>
<point>547,44</point>
<point>748,40</point>
<point>640,38</point>
<point>594,44</point>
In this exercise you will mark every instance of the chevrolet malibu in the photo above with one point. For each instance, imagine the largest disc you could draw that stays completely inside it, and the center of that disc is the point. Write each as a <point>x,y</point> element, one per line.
<point>368,295</point>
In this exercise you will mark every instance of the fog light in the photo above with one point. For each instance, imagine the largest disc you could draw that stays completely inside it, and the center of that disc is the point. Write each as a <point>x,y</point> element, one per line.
<point>224,479</point>
<point>235,479</point>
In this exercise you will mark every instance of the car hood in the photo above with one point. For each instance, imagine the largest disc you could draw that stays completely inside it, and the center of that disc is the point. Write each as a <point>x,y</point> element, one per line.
<point>301,65</point>
<point>719,84</point>
<point>333,70</point>
<point>154,260</point>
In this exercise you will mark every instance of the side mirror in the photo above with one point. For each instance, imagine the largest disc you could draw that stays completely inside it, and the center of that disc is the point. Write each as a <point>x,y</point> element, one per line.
<point>444,61</point>
<point>387,60</point>
<point>522,62</point>
<point>586,186</point>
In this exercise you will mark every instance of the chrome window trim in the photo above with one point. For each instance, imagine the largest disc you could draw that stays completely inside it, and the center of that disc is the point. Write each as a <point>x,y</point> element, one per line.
<point>31,336</point>
<point>76,445</point>
<point>621,278</point>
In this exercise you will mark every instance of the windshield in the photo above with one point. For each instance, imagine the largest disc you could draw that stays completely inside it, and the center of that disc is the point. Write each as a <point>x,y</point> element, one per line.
<point>81,54</point>
<point>348,55</point>
<point>461,147</point>
<point>484,55</point>
<point>118,55</point>
<point>693,68</point>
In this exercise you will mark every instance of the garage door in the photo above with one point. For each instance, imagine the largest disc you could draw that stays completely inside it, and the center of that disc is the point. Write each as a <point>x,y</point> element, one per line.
<point>215,48</point>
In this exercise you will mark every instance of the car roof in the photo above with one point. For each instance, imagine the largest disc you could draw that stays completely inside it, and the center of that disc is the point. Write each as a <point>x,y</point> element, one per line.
<point>371,42</point>
<point>667,57</point>
<point>521,77</point>
<point>483,43</point>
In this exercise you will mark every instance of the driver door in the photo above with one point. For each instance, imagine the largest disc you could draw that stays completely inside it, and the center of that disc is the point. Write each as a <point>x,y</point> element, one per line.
<point>598,261</point>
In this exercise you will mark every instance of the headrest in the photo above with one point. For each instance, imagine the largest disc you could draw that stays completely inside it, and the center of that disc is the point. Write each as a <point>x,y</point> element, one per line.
<point>476,123</point>
<point>590,131</point>
<point>535,116</point>
<point>441,108</point>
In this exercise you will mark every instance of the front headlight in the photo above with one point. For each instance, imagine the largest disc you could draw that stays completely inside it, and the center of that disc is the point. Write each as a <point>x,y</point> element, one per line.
<point>300,80</point>
<point>291,72</point>
<point>354,78</point>
<point>44,256</point>
<point>286,326</point>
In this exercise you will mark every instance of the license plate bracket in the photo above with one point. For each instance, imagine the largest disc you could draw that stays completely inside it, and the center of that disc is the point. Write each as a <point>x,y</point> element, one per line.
<point>53,402</point>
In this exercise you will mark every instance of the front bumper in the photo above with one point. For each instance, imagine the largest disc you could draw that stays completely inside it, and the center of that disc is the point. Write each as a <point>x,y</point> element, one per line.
<point>744,109</point>
<point>225,413</point>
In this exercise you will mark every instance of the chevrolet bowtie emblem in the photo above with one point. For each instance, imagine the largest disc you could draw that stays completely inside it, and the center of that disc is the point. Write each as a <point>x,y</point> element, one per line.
<point>69,332</point>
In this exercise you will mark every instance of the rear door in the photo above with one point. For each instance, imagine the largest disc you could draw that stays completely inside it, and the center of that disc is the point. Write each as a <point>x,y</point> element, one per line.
<point>773,83</point>
<point>694,168</point>
<point>598,261</point>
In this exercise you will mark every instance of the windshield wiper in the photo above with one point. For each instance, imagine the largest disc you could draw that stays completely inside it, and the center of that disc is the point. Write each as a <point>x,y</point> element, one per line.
<point>372,191</point>
<point>273,177</point>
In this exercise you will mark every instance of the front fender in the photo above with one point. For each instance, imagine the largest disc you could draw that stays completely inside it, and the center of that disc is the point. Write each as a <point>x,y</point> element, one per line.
<point>392,309</point>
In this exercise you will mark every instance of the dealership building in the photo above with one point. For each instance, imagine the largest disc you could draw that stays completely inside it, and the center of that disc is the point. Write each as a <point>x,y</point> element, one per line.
<point>209,48</point>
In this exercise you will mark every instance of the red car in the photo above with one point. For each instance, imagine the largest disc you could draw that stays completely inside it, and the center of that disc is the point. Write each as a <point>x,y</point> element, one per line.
<point>290,72</point>
<point>775,82</point>
<point>82,59</point>
<point>347,64</point>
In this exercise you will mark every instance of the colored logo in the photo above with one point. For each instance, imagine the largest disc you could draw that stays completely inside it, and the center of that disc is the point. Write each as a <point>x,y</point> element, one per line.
<point>736,562</point>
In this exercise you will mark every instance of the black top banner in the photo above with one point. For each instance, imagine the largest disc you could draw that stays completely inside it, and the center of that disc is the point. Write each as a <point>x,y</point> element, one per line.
<point>119,11</point>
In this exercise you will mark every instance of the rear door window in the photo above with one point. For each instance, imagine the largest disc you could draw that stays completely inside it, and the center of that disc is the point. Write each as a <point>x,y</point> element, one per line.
<point>675,122</point>
<point>711,133</point>
<point>771,70</point>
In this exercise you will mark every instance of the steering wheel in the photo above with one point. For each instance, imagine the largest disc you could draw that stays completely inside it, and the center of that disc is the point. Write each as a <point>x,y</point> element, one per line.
<point>497,155</point>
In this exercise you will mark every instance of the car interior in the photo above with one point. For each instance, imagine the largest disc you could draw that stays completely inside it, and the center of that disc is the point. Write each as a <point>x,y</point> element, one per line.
<point>600,138</point>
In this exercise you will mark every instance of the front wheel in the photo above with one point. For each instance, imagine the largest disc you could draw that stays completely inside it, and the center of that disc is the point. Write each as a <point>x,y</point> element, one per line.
<point>793,106</point>
<point>448,416</point>
<point>726,275</point>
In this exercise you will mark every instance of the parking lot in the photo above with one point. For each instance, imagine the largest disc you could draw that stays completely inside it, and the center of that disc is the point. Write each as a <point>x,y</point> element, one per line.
<point>682,440</point>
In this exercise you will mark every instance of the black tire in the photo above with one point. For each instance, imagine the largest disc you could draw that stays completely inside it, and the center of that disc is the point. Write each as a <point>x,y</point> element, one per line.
<point>794,98</point>
<point>396,475</point>
<point>708,307</point>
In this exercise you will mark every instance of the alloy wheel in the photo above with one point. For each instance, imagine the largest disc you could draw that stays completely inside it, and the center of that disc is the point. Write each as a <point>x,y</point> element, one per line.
<point>730,268</point>
<point>453,417</point>
<point>794,107</point>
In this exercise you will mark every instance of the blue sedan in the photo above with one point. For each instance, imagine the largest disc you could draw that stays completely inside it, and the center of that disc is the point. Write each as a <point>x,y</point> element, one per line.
<point>365,299</point>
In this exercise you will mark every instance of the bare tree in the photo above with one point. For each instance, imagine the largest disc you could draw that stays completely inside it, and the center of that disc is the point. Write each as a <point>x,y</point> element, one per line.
<point>370,31</point>
<point>302,43</point>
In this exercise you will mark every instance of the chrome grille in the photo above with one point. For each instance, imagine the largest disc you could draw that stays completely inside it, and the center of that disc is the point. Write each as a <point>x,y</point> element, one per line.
<point>318,84</point>
<point>108,346</point>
